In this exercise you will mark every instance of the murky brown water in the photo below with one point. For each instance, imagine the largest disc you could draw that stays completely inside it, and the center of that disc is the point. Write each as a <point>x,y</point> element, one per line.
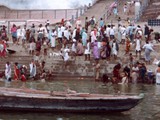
<point>149,109</point>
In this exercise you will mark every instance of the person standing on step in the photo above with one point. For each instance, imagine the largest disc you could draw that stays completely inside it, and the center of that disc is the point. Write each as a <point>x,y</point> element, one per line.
<point>87,51</point>
<point>101,23</point>
<point>32,66</point>
<point>78,23</point>
<point>157,72</point>
<point>32,31</point>
<point>40,32</point>
<point>138,46</point>
<point>97,70</point>
<point>128,45</point>
<point>134,73</point>
<point>84,38</point>
<point>32,47</point>
<point>107,32</point>
<point>8,71</point>
<point>14,33</point>
<point>148,47</point>
<point>142,72</point>
<point>112,33</point>
<point>59,34</point>
<point>115,49</point>
<point>86,24</point>
<point>74,48</point>
<point>53,38</point>
<point>3,52</point>
<point>125,9</point>
<point>96,53</point>
<point>92,22</point>
<point>123,34</point>
<point>65,55</point>
<point>93,35</point>
<point>16,71</point>
<point>80,49</point>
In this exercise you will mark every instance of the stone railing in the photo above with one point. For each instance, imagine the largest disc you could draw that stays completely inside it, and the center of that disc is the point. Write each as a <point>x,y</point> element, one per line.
<point>108,11</point>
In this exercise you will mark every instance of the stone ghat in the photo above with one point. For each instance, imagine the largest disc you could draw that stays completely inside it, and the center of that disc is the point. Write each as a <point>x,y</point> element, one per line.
<point>152,11</point>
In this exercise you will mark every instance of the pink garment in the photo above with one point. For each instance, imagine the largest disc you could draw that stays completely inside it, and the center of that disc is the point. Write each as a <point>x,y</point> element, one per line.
<point>80,49</point>
<point>95,50</point>
<point>3,53</point>
<point>13,29</point>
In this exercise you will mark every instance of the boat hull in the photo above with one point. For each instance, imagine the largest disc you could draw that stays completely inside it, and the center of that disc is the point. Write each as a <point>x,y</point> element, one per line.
<point>66,104</point>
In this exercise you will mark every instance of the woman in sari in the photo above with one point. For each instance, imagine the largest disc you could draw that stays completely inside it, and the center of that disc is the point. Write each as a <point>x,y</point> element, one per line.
<point>95,50</point>
<point>16,71</point>
<point>80,49</point>
<point>4,52</point>
<point>127,45</point>
<point>14,33</point>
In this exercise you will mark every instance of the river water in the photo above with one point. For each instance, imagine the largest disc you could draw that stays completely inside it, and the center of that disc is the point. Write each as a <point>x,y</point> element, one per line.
<point>148,109</point>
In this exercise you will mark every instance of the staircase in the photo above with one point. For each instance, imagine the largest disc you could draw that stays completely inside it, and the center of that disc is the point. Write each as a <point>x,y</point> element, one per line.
<point>152,11</point>
<point>114,20</point>
<point>75,70</point>
<point>97,10</point>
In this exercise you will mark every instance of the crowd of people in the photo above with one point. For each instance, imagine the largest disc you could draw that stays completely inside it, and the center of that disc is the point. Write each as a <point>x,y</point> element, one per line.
<point>95,38</point>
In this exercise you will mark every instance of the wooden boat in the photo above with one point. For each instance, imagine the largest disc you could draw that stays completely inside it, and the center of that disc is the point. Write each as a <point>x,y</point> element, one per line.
<point>11,51</point>
<point>36,100</point>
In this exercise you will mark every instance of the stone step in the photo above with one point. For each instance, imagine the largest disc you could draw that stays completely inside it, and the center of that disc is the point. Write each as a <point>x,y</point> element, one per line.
<point>152,9</point>
<point>152,13</point>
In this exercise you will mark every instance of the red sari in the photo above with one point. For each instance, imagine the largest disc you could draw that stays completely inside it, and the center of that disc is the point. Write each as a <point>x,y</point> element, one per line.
<point>3,53</point>
<point>16,72</point>
<point>23,78</point>
<point>127,46</point>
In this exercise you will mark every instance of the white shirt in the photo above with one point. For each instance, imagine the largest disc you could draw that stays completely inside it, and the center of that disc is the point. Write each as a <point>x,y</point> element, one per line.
<point>19,32</point>
<point>63,28</point>
<point>66,55</point>
<point>112,32</point>
<point>148,46</point>
<point>66,34</point>
<point>93,37</point>
<point>59,33</point>
<point>74,33</point>
<point>107,31</point>
<point>40,30</point>
<point>138,45</point>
